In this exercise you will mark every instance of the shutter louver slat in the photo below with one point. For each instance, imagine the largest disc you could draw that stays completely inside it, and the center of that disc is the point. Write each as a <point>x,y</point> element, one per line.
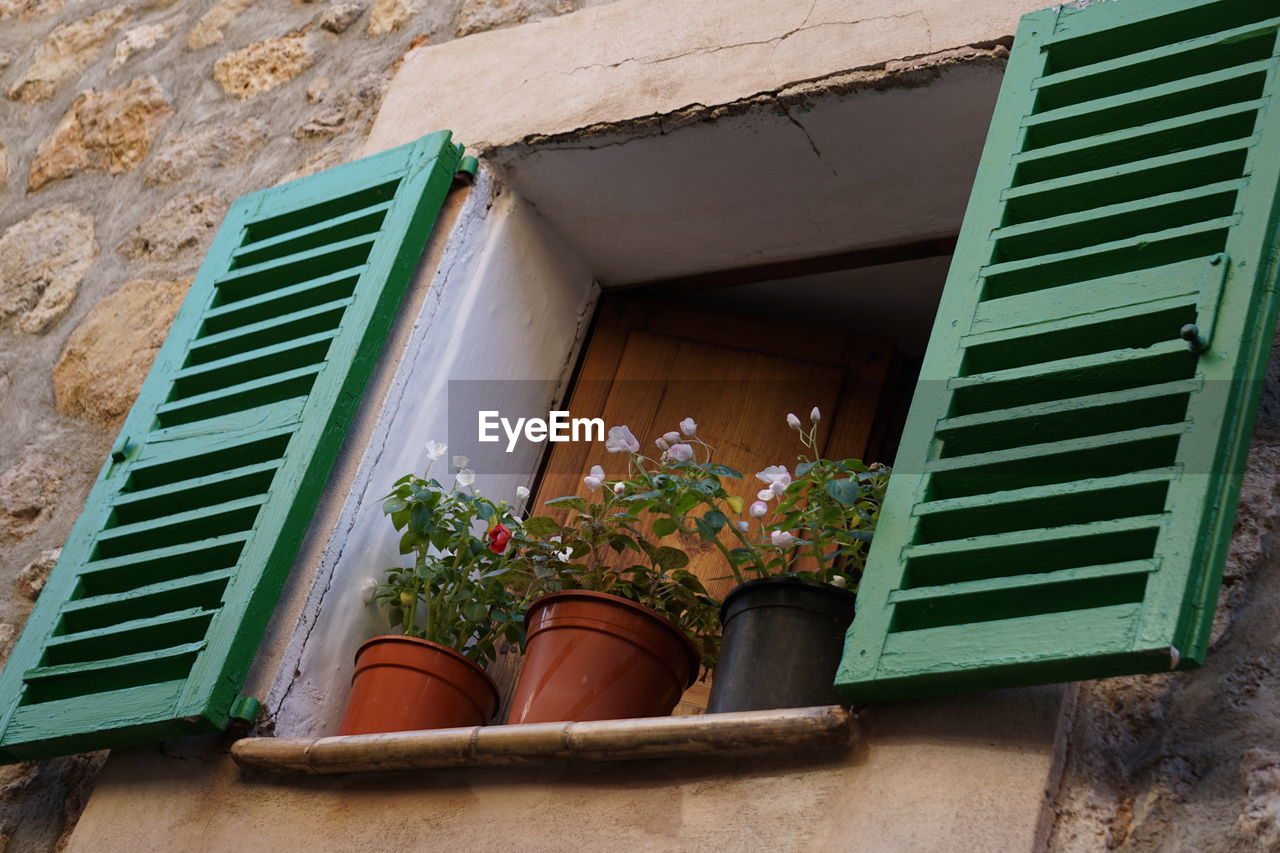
<point>1065,485</point>
<point>168,579</point>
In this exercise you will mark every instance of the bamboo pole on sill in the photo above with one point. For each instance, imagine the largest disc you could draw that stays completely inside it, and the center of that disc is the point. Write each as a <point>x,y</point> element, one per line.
<point>784,730</point>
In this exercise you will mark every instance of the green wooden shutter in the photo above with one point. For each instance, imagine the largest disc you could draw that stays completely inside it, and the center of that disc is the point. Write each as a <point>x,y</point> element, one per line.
<point>152,615</point>
<point>1066,486</point>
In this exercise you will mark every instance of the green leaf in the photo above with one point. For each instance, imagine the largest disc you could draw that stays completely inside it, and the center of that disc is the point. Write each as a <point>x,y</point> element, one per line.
<point>710,525</point>
<point>394,504</point>
<point>803,468</point>
<point>664,527</point>
<point>540,526</point>
<point>723,471</point>
<point>569,501</point>
<point>475,611</point>
<point>843,491</point>
<point>421,518</point>
<point>670,558</point>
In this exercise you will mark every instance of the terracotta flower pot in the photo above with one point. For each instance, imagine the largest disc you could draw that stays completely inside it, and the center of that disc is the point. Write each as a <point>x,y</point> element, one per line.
<point>404,684</point>
<point>595,656</point>
<point>783,638</point>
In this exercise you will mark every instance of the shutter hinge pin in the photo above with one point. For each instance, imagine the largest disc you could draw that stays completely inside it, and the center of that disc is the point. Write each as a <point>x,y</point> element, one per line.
<point>120,452</point>
<point>244,715</point>
<point>467,169</point>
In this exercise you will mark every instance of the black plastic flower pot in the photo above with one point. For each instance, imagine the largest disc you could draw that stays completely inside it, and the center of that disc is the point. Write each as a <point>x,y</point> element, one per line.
<point>783,638</point>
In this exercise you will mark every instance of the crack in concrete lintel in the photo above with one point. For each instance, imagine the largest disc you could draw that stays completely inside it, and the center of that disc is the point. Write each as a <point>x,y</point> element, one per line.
<point>804,26</point>
<point>905,73</point>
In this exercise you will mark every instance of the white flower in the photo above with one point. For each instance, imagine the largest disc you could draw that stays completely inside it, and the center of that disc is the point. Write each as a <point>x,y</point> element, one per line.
<point>775,474</point>
<point>778,487</point>
<point>461,462</point>
<point>436,449</point>
<point>474,576</point>
<point>765,495</point>
<point>781,539</point>
<point>619,488</point>
<point>465,477</point>
<point>595,478</point>
<point>564,555</point>
<point>815,415</point>
<point>368,589</point>
<point>671,437</point>
<point>662,443</point>
<point>758,509</point>
<point>742,526</point>
<point>793,422</point>
<point>680,452</point>
<point>840,581</point>
<point>621,440</point>
<point>688,427</point>
<point>522,493</point>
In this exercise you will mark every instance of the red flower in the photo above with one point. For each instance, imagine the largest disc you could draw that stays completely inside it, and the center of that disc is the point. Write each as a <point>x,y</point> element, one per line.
<point>499,536</point>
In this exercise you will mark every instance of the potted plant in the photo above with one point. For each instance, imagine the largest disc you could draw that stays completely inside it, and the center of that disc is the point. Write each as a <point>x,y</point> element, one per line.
<point>798,570</point>
<point>621,628</point>
<point>797,557</point>
<point>449,610</point>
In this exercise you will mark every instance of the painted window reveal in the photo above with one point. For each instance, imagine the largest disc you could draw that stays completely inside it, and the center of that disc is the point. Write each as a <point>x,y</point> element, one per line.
<point>156,607</point>
<point>1065,490</point>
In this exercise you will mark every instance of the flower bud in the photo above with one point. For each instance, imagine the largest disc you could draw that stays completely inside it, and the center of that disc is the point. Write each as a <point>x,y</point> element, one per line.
<point>840,581</point>
<point>662,443</point>
<point>793,422</point>
<point>815,415</point>
<point>522,493</point>
<point>758,509</point>
<point>781,538</point>
<point>680,452</point>
<point>368,590</point>
<point>619,488</point>
<point>688,427</point>
<point>671,437</point>
<point>742,526</point>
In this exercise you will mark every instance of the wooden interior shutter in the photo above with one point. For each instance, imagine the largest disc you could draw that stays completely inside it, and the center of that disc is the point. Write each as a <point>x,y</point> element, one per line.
<point>1065,490</point>
<point>152,615</point>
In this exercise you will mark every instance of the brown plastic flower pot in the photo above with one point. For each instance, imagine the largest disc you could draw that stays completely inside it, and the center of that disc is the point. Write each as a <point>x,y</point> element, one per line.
<point>595,656</point>
<point>405,684</point>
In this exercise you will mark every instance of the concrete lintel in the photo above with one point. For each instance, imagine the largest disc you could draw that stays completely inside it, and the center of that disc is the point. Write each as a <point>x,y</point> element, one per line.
<point>636,58</point>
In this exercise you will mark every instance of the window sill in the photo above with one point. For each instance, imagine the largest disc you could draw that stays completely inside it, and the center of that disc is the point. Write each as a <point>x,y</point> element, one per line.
<point>750,732</point>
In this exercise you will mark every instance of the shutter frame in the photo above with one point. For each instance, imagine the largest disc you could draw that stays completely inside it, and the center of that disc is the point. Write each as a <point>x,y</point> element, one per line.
<point>305,432</point>
<point>886,656</point>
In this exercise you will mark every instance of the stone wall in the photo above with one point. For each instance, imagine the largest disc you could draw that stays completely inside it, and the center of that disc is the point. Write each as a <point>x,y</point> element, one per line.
<point>126,128</point>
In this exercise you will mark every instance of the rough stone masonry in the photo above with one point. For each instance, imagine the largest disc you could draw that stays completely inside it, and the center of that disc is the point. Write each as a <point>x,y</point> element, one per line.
<point>126,128</point>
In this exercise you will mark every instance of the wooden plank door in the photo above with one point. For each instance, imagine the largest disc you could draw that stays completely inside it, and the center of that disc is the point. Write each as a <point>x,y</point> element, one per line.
<point>650,362</point>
